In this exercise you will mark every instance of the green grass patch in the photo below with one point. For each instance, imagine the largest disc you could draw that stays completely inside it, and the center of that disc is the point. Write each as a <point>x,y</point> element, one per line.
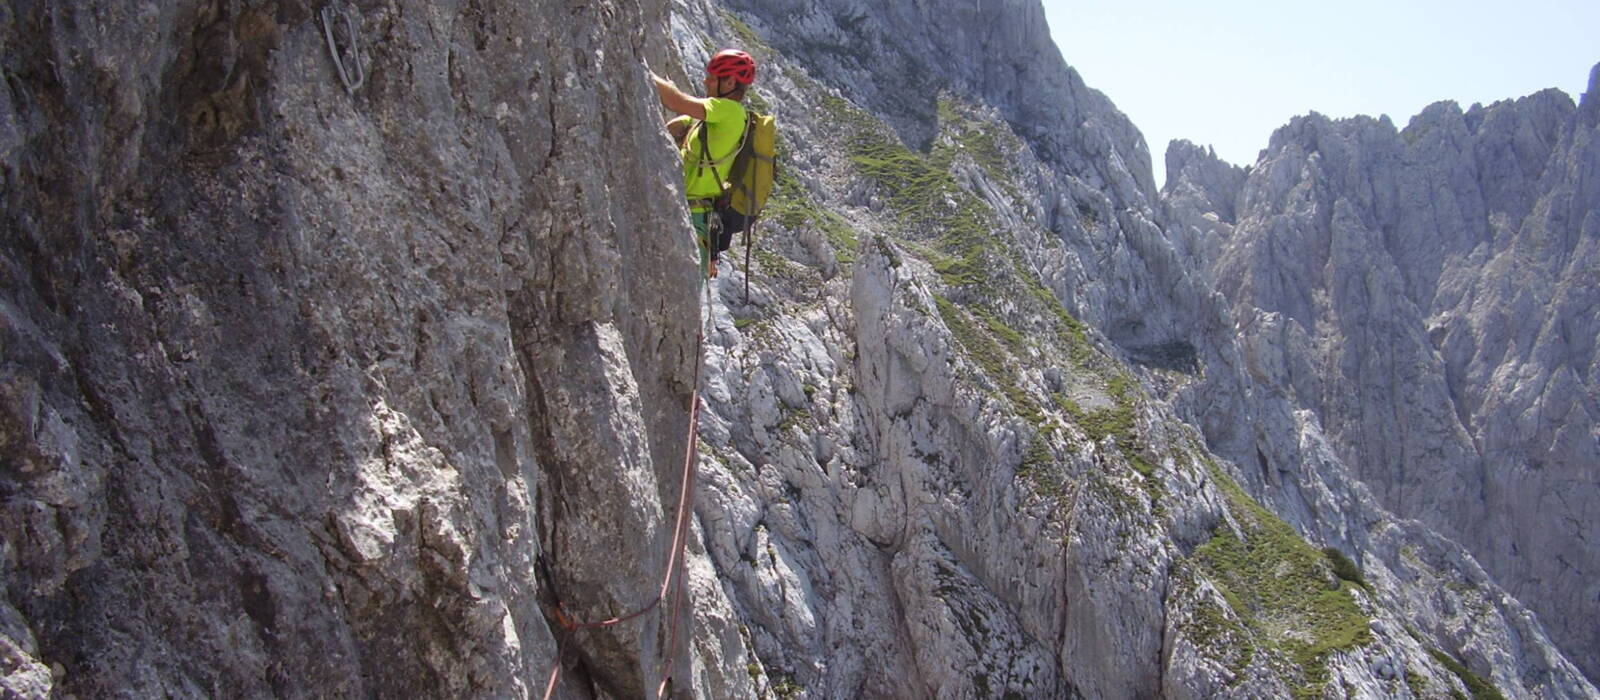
<point>979,345</point>
<point>1121,388</point>
<point>1480,688</point>
<point>921,195</point>
<point>784,686</point>
<point>1212,628</point>
<point>1279,585</point>
<point>777,265</point>
<point>1004,333</point>
<point>792,418</point>
<point>793,208</point>
<point>984,142</point>
<point>918,190</point>
<point>749,41</point>
<point>1117,422</point>
<point>965,240</point>
<point>1343,567</point>
<point>1212,625</point>
<point>1070,332</point>
<point>887,250</point>
<point>1036,465</point>
<point>1416,682</point>
<point>789,204</point>
<point>841,235</point>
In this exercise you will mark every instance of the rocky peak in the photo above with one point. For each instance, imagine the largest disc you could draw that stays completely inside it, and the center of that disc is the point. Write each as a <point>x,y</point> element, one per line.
<point>1202,192</point>
<point>1190,166</point>
<point>1590,103</point>
<point>1436,268</point>
<point>897,58</point>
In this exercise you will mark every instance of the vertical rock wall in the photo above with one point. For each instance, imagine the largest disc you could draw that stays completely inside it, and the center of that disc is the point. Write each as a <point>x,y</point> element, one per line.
<point>304,389</point>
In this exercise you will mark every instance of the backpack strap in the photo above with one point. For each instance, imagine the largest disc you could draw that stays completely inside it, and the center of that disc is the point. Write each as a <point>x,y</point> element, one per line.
<point>705,155</point>
<point>706,161</point>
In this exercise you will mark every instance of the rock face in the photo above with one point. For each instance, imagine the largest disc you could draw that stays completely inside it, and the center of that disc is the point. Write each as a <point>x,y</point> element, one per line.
<point>308,391</point>
<point>1430,294</point>
<point>1201,200</point>
<point>299,385</point>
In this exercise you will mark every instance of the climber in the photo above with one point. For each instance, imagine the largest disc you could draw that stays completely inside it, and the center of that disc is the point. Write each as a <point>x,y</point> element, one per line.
<point>708,152</point>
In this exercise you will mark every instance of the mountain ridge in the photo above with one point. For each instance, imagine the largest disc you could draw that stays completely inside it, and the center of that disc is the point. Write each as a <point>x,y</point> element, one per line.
<point>1482,178</point>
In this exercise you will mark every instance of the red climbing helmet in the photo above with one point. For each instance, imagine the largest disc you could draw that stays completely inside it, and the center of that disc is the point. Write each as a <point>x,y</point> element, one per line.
<point>733,63</point>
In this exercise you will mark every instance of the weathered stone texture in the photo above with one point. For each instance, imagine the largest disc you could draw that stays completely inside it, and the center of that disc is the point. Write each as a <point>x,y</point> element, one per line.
<point>298,385</point>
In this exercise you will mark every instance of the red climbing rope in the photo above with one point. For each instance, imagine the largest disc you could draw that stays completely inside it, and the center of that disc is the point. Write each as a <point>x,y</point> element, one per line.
<point>680,538</point>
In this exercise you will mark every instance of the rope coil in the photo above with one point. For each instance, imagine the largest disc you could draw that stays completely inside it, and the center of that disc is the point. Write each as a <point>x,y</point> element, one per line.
<point>354,76</point>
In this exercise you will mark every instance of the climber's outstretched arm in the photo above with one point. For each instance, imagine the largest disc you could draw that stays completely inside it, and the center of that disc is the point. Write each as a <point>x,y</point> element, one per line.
<point>677,100</point>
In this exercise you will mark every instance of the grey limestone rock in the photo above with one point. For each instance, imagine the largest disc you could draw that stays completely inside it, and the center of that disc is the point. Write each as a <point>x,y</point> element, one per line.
<point>308,392</point>
<point>1428,292</point>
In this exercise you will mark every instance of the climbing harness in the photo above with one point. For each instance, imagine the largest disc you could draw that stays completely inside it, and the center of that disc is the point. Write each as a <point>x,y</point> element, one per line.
<point>671,582</point>
<point>714,213</point>
<point>713,238</point>
<point>706,209</point>
<point>353,76</point>
<point>752,171</point>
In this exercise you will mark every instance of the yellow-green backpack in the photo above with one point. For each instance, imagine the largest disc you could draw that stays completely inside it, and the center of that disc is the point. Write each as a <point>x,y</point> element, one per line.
<point>754,168</point>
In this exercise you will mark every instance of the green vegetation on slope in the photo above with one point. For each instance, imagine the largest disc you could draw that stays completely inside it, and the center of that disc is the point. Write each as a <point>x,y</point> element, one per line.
<point>1343,567</point>
<point>918,190</point>
<point>955,232</point>
<point>980,345</point>
<point>793,208</point>
<point>1282,587</point>
<point>1117,422</point>
<point>968,134</point>
<point>1211,626</point>
<point>1284,597</point>
<point>1416,683</point>
<point>1480,688</point>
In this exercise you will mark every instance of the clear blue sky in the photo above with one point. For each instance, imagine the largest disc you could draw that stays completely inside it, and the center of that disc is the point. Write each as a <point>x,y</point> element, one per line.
<point>1227,73</point>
